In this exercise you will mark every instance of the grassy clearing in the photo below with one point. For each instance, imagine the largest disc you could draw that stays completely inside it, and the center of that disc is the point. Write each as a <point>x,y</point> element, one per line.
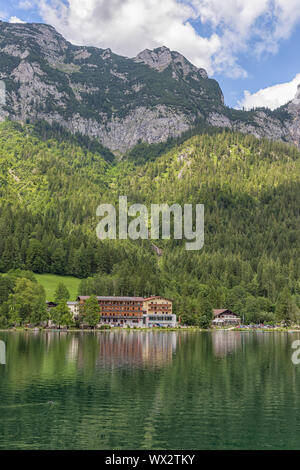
<point>51,281</point>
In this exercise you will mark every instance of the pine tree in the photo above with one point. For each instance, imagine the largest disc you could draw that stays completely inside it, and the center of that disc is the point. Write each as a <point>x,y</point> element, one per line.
<point>36,257</point>
<point>284,307</point>
<point>205,310</point>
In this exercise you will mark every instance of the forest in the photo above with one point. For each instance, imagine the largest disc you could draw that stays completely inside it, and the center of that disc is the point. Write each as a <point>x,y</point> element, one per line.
<point>51,185</point>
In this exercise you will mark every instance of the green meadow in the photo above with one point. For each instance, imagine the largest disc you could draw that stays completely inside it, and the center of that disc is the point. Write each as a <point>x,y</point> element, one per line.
<point>51,281</point>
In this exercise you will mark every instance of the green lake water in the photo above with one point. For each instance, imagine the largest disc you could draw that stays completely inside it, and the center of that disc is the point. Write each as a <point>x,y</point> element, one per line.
<point>149,390</point>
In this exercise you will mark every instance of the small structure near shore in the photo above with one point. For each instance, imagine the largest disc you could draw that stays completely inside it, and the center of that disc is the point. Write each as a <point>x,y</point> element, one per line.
<point>225,317</point>
<point>74,309</point>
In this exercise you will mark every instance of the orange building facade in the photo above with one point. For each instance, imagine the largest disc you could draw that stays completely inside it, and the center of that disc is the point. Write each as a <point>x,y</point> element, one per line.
<point>158,306</point>
<point>134,311</point>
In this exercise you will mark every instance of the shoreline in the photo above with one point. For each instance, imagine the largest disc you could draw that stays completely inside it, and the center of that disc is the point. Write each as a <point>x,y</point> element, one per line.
<point>138,330</point>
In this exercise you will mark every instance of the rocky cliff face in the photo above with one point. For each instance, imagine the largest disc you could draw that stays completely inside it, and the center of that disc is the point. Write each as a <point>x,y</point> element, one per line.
<point>293,126</point>
<point>261,123</point>
<point>117,100</point>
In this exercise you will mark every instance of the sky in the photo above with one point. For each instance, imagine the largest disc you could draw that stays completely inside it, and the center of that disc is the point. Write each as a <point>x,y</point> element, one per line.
<point>249,46</point>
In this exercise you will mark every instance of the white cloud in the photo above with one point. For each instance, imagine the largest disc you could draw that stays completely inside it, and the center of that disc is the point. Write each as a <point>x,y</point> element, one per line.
<point>254,27</point>
<point>15,19</point>
<point>128,26</point>
<point>26,4</point>
<point>272,97</point>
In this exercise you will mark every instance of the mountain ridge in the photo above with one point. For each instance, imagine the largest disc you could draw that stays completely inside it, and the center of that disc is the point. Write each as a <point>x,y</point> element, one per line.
<point>117,100</point>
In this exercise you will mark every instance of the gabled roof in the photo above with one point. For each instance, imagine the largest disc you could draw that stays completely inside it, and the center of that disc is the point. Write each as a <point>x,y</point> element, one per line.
<point>223,310</point>
<point>157,297</point>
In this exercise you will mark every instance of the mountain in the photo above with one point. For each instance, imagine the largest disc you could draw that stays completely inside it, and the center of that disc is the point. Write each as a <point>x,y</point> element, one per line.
<point>50,189</point>
<point>117,100</point>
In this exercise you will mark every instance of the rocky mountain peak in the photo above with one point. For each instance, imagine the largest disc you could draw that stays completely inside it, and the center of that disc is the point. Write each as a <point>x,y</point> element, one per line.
<point>106,54</point>
<point>19,39</point>
<point>161,58</point>
<point>158,59</point>
<point>118,100</point>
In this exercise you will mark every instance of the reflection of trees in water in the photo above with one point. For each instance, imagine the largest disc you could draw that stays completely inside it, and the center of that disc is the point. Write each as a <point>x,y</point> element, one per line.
<point>49,354</point>
<point>125,349</point>
<point>247,387</point>
<point>213,392</point>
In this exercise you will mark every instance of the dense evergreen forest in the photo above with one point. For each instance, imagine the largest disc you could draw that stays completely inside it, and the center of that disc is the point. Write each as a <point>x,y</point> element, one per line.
<point>51,184</point>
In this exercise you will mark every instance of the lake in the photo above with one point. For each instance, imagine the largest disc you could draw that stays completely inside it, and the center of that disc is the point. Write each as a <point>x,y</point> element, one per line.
<point>149,390</point>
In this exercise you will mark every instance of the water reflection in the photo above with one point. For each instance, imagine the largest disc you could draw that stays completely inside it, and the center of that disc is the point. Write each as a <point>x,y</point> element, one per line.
<point>111,350</point>
<point>134,350</point>
<point>226,342</point>
<point>149,390</point>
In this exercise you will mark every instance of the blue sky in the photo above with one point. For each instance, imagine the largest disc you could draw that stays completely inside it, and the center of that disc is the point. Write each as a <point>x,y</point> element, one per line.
<point>246,46</point>
<point>11,9</point>
<point>264,72</point>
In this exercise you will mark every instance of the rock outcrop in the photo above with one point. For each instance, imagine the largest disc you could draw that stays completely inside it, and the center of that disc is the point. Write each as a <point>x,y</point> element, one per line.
<point>161,58</point>
<point>120,101</point>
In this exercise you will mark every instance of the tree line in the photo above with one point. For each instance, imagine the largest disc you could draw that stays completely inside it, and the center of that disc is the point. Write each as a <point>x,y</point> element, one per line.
<point>50,188</point>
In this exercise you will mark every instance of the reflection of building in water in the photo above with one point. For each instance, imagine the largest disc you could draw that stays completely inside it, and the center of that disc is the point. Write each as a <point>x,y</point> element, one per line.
<point>137,349</point>
<point>116,349</point>
<point>159,347</point>
<point>226,342</point>
<point>73,348</point>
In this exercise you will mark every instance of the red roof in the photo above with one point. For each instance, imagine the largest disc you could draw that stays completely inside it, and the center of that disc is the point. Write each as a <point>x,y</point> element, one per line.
<point>157,297</point>
<point>120,299</point>
<point>124,299</point>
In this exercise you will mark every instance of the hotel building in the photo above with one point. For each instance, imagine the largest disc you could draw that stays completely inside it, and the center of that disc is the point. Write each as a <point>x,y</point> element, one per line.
<point>134,311</point>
